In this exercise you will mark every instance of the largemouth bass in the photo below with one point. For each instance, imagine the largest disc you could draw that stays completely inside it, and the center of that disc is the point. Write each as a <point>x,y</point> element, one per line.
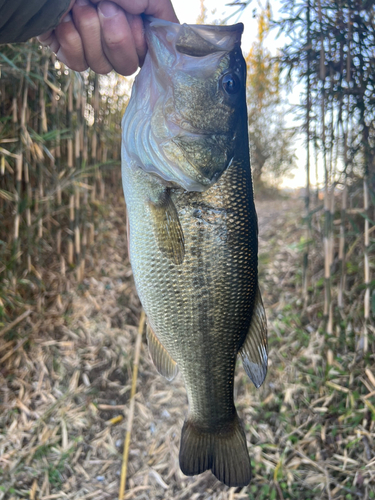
<point>193,232</point>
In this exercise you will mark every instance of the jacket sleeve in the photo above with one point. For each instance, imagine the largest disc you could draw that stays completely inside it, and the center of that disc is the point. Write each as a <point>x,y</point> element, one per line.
<point>23,19</point>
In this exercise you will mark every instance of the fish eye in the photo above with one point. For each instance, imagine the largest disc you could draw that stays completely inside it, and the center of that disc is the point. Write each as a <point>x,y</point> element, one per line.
<point>231,83</point>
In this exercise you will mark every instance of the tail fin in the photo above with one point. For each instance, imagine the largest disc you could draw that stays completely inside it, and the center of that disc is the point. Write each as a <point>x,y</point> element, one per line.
<point>224,452</point>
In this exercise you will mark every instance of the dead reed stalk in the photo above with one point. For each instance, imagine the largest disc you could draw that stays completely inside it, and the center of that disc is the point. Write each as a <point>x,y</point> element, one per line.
<point>129,425</point>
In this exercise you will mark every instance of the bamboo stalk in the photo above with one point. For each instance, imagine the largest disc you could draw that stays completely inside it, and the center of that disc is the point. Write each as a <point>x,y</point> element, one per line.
<point>326,237</point>
<point>316,158</point>
<point>327,263</point>
<point>83,255</point>
<point>28,210</point>
<point>14,110</point>
<point>25,93</point>
<point>342,249</point>
<point>41,193</point>
<point>94,142</point>
<point>332,166</point>
<point>331,245</point>
<point>77,165</point>
<point>101,186</point>
<point>55,111</point>
<point>349,52</point>
<point>19,161</point>
<point>62,266</point>
<point>91,239</point>
<point>71,233</point>
<point>70,166</point>
<point>307,193</point>
<point>58,241</point>
<point>366,264</point>
<point>18,158</point>
<point>70,124</point>
<point>57,120</point>
<point>42,101</point>
<point>83,160</point>
<point>83,121</point>
<point>43,127</point>
<point>77,233</point>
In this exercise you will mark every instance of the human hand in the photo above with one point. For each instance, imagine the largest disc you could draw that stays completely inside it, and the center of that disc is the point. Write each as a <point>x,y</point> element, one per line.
<point>105,35</point>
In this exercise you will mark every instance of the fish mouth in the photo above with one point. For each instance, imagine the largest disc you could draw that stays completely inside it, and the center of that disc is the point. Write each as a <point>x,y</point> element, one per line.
<point>194,40</point>
<point>181,125</point>
<point>195,50</point>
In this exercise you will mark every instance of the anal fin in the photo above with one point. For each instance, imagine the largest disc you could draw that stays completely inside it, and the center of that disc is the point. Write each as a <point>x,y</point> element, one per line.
<point>163,362</point>
<point>254,349</point>
<point>167,227</point>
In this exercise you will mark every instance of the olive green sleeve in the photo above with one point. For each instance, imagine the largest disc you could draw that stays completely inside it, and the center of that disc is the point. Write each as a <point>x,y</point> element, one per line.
<point>23,19</point>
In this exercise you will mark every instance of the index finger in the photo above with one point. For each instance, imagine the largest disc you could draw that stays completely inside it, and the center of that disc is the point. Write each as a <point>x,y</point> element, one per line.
<point>162,9</point>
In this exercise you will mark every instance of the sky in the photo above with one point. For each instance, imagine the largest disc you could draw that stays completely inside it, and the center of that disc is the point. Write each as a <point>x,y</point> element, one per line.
<point>188,12</point>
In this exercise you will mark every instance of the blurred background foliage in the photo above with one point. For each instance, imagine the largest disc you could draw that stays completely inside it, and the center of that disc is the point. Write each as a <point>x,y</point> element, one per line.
<point>330,52</point>
<point>272,142</point>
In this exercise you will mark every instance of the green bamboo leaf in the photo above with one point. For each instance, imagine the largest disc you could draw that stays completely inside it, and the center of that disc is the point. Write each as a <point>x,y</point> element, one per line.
<point>6,195</point>
<point>365,216</point>
<point>8,61</point>
<point>372,194</point>
<point>17,69</point>
<point>354,225</point>
<point>50,135</point>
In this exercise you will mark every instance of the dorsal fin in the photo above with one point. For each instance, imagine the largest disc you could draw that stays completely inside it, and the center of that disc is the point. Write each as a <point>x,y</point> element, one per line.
<point>254,349</point>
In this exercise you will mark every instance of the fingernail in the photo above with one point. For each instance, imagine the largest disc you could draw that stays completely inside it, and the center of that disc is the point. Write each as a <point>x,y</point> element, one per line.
<point>81,3</point>
<point>108,9</point>
<point>55,46</point>
<point>44,38</point>
<point>67,18</point>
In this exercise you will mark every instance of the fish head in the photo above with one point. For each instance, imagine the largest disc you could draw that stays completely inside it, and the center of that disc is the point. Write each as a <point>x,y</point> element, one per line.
<point>195,92</point>
<point>202,71</point>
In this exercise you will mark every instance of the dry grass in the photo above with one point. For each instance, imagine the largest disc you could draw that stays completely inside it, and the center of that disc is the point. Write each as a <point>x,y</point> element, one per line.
<point>65,381</point>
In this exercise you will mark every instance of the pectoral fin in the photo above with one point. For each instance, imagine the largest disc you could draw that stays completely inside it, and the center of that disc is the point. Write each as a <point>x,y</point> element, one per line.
<point>163,362</point>
<point>167,228</point>
<point>254,350</point>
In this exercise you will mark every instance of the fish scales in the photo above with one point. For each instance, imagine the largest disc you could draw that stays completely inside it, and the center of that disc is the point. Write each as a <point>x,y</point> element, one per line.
<point>193,242</point>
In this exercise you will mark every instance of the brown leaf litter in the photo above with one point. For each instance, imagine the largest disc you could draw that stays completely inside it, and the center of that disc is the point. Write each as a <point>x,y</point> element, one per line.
<point>66,383</point>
